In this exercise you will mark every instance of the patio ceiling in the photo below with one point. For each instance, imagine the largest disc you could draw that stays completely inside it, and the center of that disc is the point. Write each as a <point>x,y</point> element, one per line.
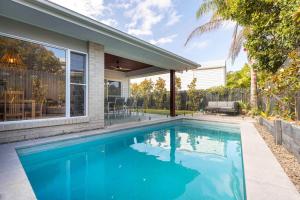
<point>118,63</point>
<point>52,17</point>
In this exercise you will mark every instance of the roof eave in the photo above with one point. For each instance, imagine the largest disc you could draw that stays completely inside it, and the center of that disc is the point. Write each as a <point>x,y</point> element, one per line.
<point>91,24</point>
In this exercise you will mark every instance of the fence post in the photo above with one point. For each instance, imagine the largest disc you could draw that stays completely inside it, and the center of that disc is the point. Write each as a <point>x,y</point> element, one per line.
<point>297,106</point>
<point>278,132</point>
<point>260,121</point>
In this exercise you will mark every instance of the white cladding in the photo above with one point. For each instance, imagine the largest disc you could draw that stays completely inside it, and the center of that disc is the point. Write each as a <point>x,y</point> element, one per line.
<point>211,74</point>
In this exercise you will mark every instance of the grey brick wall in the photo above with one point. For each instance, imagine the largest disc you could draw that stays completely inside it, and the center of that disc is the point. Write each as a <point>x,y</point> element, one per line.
<point>23,130</point>
<point>290,135</point>
<point>96,83</point>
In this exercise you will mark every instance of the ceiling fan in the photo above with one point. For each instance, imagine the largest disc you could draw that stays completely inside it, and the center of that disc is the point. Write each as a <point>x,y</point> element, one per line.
<point>119,68</point>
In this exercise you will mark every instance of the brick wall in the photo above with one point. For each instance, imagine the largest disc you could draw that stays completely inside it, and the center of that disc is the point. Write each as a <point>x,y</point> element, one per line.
<point>290,135</point>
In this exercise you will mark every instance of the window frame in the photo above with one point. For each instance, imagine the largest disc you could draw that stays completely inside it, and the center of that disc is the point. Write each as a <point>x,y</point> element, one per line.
<point>115,80</point>
<point>68,90</point>
<point>68,79</point>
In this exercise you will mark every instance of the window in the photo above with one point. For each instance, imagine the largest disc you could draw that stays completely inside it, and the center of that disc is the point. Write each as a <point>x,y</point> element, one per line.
<point>77,84</point>
<point>32,80</point>
<point>113,88</point>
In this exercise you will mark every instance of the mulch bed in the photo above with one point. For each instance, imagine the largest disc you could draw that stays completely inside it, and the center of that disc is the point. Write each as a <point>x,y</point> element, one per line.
<point>287,160</point>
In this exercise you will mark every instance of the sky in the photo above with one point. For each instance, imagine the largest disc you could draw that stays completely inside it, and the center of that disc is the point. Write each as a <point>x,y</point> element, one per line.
<point>165,23</point>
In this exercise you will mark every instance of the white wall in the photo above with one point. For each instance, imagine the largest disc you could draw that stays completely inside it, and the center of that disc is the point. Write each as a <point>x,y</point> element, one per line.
<point>207,77</point>
<point>210,77</point>
<point>11,27</point>
<point>118,76</point>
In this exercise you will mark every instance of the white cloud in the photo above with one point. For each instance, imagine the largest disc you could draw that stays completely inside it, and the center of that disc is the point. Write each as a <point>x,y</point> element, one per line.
<point>163,40</point>
<point>90,8</point>
<point>198,45</point>
<point>147,13</point>
<point>143,15</point>
<point>110,22</point>
<point>173,18</point>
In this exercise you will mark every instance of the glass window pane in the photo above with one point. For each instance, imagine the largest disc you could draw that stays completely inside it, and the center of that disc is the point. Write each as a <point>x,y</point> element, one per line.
<point>32,80</point>
<point>114,88</point>
<point>78,64</point>
<point>77,100</point>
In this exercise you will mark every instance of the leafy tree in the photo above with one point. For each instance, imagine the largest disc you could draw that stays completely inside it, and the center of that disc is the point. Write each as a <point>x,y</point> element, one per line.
<point>219,16</point>
<point>193,100</point>
<point>239,79</point>
<point>33,56</point>
<point>135,90</point>
<point>296,16</point>
<point>273,34</point>
<point>268,32</point>
<point>146,87</point>
<point>160,92</point>
<point>177,89</point>
<point>283,86</point>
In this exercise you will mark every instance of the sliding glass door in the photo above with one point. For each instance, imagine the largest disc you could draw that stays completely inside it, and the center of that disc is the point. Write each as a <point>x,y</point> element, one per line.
<point>32,80</point>
<point>38,81</point>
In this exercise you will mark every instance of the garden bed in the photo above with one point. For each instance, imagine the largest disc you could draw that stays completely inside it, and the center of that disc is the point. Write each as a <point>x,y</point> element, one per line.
<point>287,160</point>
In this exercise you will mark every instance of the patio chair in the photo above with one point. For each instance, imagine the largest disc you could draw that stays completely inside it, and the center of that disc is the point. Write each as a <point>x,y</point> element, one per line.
<point>129,105</point>
<point>140,105</point>
<point>109,104</point>
<point>119,106</point>
<point>13,104</point>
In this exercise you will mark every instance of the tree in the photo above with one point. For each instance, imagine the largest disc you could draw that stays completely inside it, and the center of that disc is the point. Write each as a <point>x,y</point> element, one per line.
<point>146,87</point>
<point>239,79</point>
<point>283,87</point>
<point>218,18</point>
<point>177,89</point>
<point>193,100</point>
<point>268,32</point>
<point>296,16</point>
<point>160,92</point>
<point>135,90</point>
<point>33,56</point>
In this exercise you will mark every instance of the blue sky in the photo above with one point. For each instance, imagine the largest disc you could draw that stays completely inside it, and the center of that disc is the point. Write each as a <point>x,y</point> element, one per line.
<point>165,23</point>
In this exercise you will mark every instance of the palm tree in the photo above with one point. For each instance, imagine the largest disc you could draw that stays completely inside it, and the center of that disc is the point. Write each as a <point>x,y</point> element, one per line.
<point>296,16</point>
<point>238,38</point>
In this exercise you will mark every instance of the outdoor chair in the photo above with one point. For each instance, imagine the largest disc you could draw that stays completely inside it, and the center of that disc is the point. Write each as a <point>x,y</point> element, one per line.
<point>119,106</point>
<point>140,105</point>
<point>129,105</point>
<point>13,104</point>
<point>228,107</point>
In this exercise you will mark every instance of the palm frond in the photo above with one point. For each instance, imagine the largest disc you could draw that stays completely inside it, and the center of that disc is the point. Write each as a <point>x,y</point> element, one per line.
<point>207,27</point>
<point>206,7</point>
<point>296,16</point>
<point>233,42</point>
<point>236,45</point>
<point>215,16</point>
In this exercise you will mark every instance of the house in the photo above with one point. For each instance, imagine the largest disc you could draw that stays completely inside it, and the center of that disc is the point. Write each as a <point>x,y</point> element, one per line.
<point>210,74</point>
<point>57,67</point>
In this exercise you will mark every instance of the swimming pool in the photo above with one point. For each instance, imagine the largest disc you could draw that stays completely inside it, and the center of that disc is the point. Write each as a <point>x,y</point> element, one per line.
<point>184,159</point>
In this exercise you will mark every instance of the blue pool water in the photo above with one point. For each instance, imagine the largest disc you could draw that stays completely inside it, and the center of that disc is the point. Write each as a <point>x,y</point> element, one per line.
<point>183,159</point>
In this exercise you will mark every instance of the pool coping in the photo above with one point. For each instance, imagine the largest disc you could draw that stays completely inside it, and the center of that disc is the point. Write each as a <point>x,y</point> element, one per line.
<point>264,177</point>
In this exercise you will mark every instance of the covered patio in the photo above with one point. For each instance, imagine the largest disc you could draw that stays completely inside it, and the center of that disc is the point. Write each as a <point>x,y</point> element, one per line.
<point>120,106</point>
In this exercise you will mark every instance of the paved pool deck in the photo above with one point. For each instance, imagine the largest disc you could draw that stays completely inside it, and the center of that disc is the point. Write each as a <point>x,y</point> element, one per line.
<point>264,177</point>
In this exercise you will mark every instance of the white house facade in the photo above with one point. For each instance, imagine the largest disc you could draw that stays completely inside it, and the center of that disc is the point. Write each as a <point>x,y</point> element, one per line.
<point>210,74</point>
<point>57,68</point>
